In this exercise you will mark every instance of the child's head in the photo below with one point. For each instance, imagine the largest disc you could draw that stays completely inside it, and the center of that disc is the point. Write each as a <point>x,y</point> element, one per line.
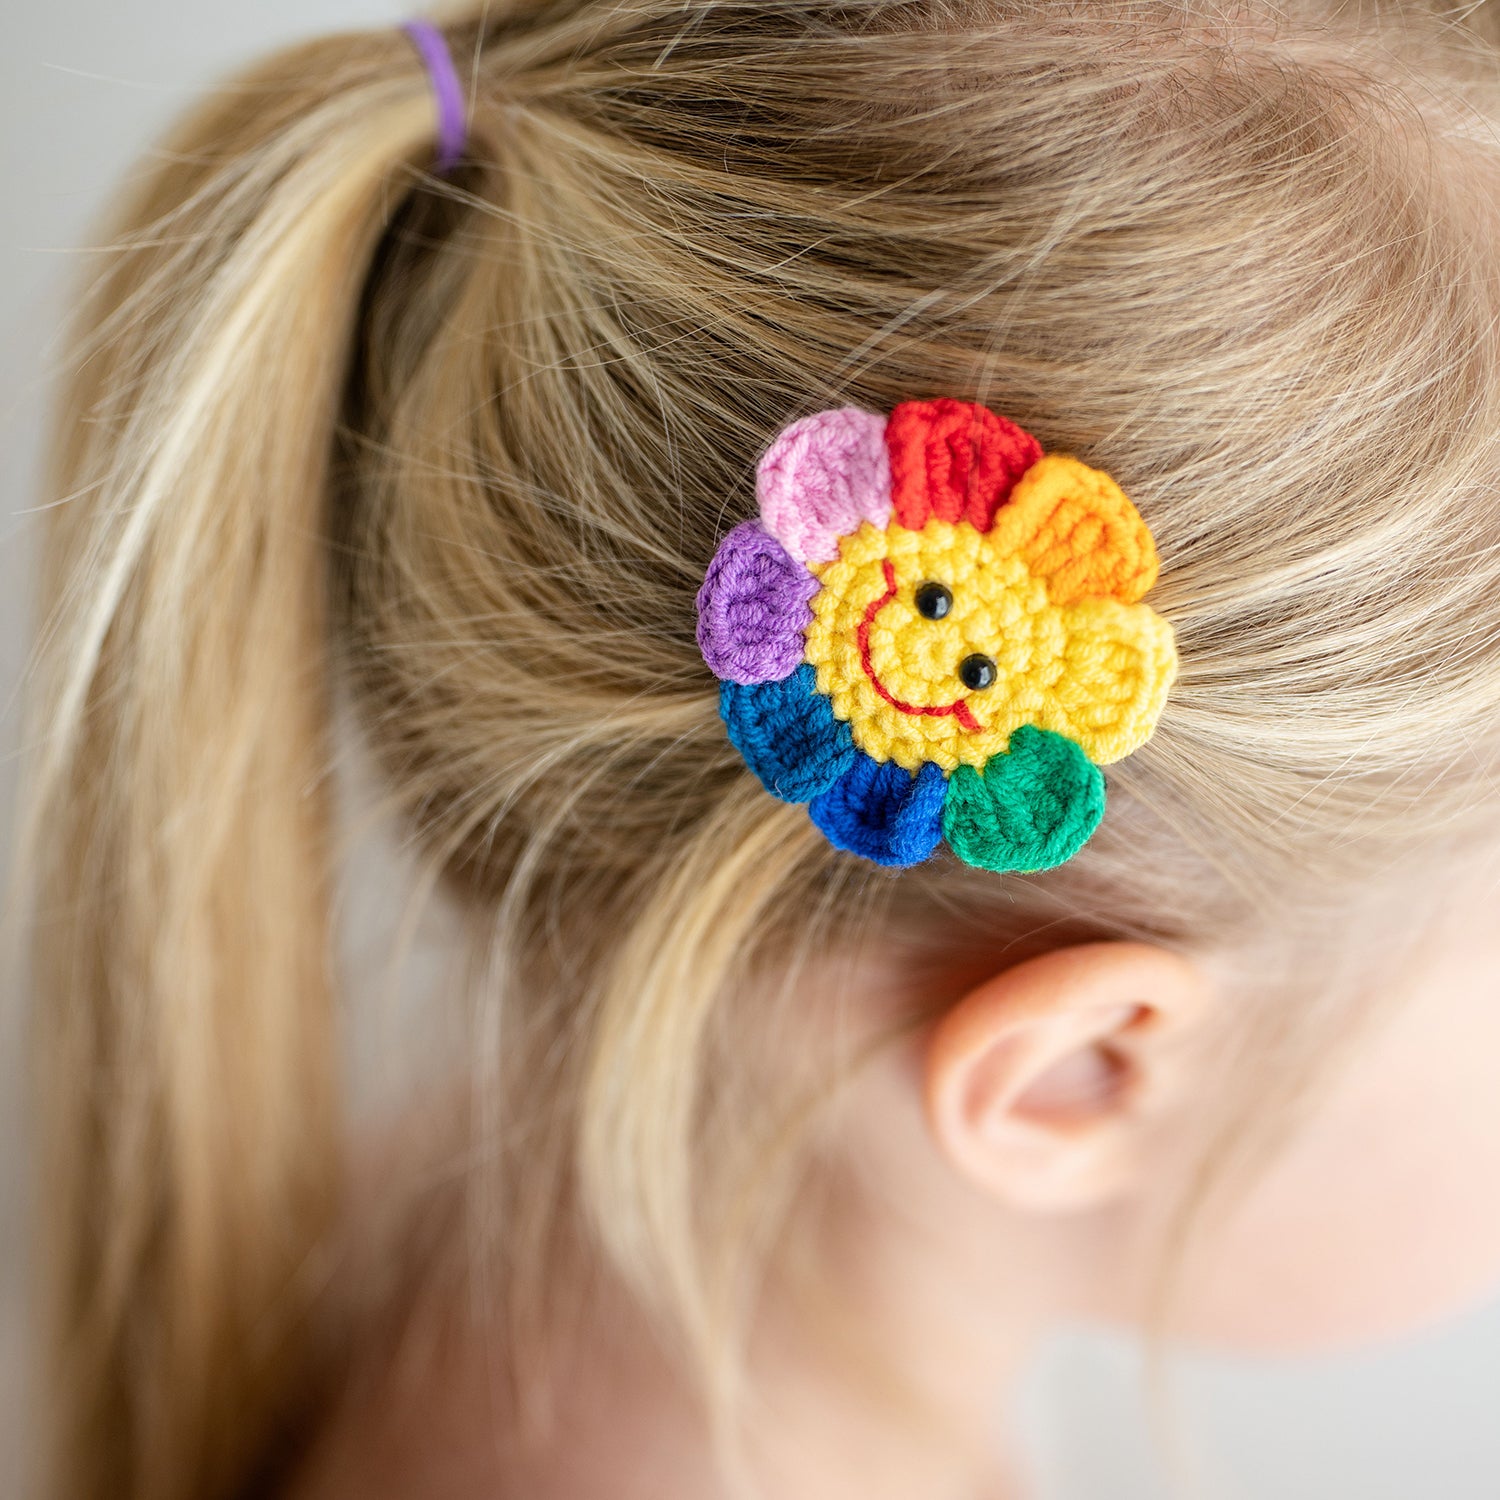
<point>463,450</point>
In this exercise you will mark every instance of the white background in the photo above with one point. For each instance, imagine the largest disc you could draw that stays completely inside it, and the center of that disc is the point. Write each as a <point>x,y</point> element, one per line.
<point>84,84</point>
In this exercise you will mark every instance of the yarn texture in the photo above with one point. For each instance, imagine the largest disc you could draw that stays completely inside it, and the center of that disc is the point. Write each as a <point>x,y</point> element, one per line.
<point>934,633</point>
<point>753,608</point>
<point>788,734</point>
<point>954,461</point>
<point>877,810</point>
<point>1028,810</point>
<point>821,478</point>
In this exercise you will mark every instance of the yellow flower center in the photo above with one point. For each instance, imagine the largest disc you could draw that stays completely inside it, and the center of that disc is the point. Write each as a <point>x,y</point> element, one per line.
<point>898,675</point>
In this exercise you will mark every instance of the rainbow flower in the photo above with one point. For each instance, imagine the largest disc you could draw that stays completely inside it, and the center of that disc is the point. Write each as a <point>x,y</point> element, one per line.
<point>933,632</point>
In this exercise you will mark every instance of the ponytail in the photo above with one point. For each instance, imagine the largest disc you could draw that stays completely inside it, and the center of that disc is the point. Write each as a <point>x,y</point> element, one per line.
<point>179,837</point>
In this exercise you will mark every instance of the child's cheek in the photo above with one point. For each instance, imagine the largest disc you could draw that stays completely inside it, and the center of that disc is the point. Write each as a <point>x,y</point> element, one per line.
<point>1384,1213</point>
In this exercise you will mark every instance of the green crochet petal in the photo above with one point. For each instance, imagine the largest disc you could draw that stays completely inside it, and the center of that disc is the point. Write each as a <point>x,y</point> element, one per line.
<point>1028,809</point>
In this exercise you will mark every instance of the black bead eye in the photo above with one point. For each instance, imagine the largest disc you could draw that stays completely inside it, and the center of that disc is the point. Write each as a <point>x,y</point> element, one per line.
<point>933,600</point>
<point>976,671</point>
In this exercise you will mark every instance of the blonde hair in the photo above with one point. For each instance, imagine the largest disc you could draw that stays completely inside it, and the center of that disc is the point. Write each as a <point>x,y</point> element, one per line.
<point>466,448</point>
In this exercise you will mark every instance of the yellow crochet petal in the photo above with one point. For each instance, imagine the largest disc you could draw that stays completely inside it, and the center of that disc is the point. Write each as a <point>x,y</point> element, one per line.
<point>1078,533</point>
<point>1119,662</point>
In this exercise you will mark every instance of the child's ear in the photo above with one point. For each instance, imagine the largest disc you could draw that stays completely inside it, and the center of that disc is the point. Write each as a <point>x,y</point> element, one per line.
<point>1043,1083</point>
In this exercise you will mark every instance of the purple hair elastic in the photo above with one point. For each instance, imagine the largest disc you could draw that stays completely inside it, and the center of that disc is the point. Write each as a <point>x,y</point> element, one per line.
<point>453,130</point>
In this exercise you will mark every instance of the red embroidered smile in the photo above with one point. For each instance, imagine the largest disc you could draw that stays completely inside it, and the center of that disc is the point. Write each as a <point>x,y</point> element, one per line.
<point>959,709</point>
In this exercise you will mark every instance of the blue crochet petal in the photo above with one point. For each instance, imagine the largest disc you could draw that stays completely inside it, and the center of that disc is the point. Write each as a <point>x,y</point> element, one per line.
<point>788,734</point>
<point>882,812</point>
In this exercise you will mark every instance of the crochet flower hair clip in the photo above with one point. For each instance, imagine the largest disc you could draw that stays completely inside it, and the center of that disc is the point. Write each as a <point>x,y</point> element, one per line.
<point>934,632</point>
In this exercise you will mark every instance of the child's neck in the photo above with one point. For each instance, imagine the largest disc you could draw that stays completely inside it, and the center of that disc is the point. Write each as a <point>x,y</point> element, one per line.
<point>905,1396</point>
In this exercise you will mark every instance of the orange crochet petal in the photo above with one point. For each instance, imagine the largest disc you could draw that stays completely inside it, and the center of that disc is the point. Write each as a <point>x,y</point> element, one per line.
<point>954,461</point>
<point>1078,533</point>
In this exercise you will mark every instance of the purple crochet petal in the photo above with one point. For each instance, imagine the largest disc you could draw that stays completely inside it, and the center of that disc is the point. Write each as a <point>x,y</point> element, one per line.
<point>753,607</point>
<point>821,478</point>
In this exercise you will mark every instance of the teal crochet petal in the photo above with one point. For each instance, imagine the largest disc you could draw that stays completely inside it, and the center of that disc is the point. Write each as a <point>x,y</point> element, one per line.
<point>880,811</point>
<point>788,734</point>
<point>1029,809</point>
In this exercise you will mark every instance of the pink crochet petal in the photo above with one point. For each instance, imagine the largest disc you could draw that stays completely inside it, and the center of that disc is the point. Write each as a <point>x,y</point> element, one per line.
<point>821,478</point>
<point>753,607</point>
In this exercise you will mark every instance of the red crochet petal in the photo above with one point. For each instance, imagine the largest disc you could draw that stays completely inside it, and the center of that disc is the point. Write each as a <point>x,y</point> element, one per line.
<point>954,460</point>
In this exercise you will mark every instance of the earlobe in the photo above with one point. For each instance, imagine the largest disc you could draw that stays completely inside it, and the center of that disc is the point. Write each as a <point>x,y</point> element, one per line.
<point>1042,1083</point>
